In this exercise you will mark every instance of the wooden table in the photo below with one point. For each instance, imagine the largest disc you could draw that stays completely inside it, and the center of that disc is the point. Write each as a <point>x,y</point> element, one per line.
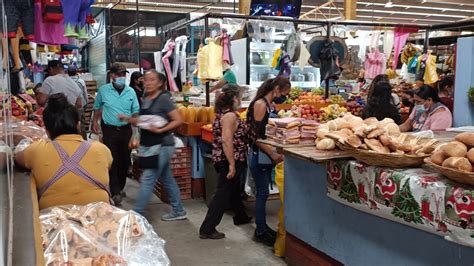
<point>280,147</point>
<point>314,155</point>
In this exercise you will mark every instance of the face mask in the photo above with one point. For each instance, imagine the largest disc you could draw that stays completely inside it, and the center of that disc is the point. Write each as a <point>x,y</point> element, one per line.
<point>420,108</point>
<point>406,102</point>
<point>120,81</point>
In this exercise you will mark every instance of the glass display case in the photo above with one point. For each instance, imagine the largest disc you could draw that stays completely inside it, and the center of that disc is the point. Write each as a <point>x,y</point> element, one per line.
<point>266,38</point>
<point>261,55</point>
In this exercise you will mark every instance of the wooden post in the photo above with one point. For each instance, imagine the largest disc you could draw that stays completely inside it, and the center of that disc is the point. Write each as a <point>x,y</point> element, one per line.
<point>244,7</point>
<point>350,9</point>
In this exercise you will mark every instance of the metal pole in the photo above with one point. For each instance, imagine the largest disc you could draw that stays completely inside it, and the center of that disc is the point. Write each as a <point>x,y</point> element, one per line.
<point>326,90</point>
<point>206,28</point>
<point>138,35</point>
<point>426,44</point>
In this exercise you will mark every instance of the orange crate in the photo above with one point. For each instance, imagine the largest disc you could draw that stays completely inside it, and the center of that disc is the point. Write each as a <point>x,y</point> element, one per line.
<point>206,135</point>
<point>190,129</point>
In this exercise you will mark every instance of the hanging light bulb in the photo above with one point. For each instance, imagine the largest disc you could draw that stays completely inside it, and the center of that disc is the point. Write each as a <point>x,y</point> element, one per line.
<point>389,4</point>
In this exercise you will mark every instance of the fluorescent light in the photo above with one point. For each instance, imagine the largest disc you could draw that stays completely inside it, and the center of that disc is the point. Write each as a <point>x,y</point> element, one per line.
<point>389,4</point>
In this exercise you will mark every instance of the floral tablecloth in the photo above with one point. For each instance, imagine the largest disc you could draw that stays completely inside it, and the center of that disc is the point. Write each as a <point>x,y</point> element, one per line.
<point>415,197</point>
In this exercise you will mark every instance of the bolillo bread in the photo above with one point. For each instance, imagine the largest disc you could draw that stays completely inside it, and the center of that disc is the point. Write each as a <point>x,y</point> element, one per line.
<point>326,144</point>
<point>466,138</point>
<point>459,163</point>
<point>455,149</point>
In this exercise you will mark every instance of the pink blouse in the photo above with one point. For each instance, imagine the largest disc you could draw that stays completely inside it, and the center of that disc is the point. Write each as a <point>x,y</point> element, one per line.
<point>432,121</point>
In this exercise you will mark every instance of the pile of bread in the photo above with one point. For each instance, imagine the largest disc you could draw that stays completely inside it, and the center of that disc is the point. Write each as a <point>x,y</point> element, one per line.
<point>95,234</point>
<point>458,154</point>
<point>370,134</point>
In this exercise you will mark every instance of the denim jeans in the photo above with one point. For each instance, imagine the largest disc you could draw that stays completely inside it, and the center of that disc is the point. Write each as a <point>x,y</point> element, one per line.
<point>261,174</point>
<point>164,175</point>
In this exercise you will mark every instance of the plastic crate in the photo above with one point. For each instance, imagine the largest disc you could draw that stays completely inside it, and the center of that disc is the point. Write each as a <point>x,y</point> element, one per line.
<point>206,135</point>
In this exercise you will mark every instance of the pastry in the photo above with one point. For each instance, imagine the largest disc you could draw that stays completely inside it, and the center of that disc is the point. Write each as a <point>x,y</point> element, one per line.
<point>322,132</point>
<point>385,140</point>
<point>392,129</point>
<point>106,260</point>
<point>369,129</point>
<point>376,146</point>
<point>386,121</point>
<point>360,131</point>
<point>375,133</point>
<point>459,163</point>
<point>371,121</point>
<point>353,141</point>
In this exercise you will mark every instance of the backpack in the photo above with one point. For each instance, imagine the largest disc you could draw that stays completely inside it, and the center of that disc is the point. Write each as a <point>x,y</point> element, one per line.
<point>52,11</point>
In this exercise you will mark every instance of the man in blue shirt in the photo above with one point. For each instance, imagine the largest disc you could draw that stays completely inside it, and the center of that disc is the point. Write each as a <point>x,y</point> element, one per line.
<point>113,99</point>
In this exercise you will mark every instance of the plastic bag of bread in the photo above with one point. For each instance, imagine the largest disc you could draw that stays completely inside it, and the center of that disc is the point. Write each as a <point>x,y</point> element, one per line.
<point>70,243</point>
<point>127,234</point>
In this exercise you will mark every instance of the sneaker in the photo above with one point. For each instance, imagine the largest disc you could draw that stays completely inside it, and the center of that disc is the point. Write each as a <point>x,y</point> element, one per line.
<point>213,235</point>
<point>172,216</point>
<point>117,200</point>
<point>265,238</point>
<point>271,232</point>
<point>242,220</point>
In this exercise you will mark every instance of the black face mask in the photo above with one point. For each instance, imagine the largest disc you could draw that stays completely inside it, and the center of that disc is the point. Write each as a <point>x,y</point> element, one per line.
<point>406,102</point>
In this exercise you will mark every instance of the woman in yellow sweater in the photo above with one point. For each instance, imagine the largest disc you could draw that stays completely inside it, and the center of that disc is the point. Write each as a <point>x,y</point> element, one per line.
<point>66,169</point>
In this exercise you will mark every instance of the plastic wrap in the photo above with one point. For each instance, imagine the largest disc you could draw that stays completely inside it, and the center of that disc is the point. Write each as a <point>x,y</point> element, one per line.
<point>22,130</point>
<point>99,230</point>
<point>149,121</point>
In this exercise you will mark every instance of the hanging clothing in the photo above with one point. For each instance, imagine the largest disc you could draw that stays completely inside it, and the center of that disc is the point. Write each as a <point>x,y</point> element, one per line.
<point>413,64</point>
<point>363,40</point>
<point>401,37</point>
<point>226,53</point>
<point>158,61</point>
<point>76,11</point>
<point>20,12</point>
<point>285,68</point>
<point>374,40</point>
<point>329,61</point>
<point>48,33</point>
<point>179,66</point>
<point>388,36</point>
<point>421,67</point>
<point>276,57</point>
<point>375,64</point>
<point>169,49</point>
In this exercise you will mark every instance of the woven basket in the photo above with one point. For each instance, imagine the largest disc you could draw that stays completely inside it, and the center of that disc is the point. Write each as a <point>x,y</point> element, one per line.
<point>393,160</point>
<point>453,174</point>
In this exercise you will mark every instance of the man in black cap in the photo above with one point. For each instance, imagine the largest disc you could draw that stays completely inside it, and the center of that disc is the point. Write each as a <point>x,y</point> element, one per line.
<point>113,99</point>
<point>59,82</point>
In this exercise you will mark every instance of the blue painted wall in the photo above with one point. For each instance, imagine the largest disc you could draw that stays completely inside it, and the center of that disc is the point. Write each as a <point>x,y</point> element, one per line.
<point>463,109</point>
<point>354,237</point>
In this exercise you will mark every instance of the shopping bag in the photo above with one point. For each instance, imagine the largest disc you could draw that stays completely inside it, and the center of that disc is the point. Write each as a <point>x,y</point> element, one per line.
<point>214,58</point>
<point>431,76</point>
<point>281,232</point>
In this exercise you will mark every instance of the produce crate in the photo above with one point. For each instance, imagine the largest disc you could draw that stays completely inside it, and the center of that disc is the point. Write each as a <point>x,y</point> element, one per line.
<point>318,106</point>
<point>206,135</point>
<point>91,87</point>
<point>190,129</point>
<point>185,188</point>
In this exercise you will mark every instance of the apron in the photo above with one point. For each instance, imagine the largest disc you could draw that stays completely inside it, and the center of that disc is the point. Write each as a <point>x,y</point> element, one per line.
<point>71,164</point>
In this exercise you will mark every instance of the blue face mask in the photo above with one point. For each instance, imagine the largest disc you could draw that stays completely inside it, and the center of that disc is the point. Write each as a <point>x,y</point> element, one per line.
<point>420,108</point>
<point>120,81</point>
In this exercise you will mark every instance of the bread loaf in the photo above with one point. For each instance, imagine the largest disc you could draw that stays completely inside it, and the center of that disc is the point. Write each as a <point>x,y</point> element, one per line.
<point>353,141</point>
<point>322,132</point>
<point>386,121</point>
<point>326,144</point>
<point>385,140</point>
<point>375,133</point>
<point>455,149</point>
<point>467,138</point>
<point>459,163</point>
<point>438,157</point>
<point>470,155</point>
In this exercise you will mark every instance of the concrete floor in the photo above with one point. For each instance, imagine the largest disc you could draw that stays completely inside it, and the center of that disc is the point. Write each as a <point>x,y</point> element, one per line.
<point>184,247</point>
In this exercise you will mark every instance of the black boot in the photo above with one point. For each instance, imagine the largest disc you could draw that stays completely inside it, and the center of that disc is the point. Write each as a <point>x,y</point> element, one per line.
<point>265,238</point>
<point>239,220</point>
